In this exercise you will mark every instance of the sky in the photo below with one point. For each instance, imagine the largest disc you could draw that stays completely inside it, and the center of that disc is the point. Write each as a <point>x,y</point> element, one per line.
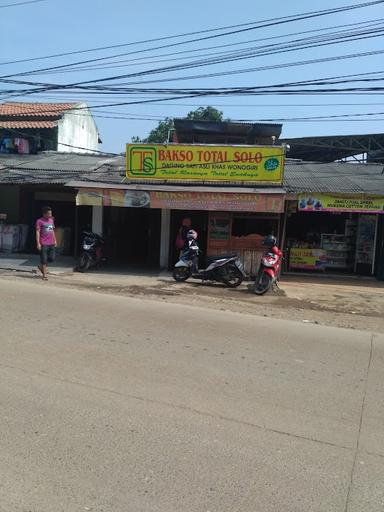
<point>49,27</point>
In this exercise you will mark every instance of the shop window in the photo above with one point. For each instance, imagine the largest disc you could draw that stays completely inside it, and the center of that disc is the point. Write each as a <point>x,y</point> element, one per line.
<point>248,232</point>
<point>245,226</point>
<point>331,242</point>
<point>219,228</point>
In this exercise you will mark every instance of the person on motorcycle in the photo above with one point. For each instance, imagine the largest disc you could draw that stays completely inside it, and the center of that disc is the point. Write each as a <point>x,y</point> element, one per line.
<point>181,239</point>
<point>191,240</point>
<point>191,235</point>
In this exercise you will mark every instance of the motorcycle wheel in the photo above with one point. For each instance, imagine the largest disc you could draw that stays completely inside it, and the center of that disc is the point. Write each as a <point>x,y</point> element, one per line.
<point>263,284</point>
<point>233,277</point>
<point>181,274</point>
<point>85,263</point>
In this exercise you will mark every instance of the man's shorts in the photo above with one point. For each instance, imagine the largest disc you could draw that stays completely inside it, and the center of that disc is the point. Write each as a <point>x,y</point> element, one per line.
<point>47,254</point>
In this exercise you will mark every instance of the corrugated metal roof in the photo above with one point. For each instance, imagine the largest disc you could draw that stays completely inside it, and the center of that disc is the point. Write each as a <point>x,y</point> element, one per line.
<point>333,177</point>
<point>333,147</point>
<point>219,132</point>
<point>50,168</point>
<point>28,124</point>
<point>61,168</point>
<point>175,188</point>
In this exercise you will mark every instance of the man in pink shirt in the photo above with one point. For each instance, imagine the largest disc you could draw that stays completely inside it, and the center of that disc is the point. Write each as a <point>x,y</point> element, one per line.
<point>45,240</point>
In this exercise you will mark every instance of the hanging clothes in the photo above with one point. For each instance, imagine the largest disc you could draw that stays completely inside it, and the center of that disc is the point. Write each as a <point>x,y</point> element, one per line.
<point>6,145</point>
<point>23,147</point>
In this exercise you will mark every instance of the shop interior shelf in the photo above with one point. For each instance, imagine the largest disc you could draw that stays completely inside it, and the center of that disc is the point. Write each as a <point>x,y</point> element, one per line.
<point>337,249</point>
<point>331,242</point>
<point>338,266</point>
<point>338,235</point>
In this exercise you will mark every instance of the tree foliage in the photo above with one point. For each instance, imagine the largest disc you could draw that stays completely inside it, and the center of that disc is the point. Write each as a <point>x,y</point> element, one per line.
<point>162,132</point>
<point>206,114</point>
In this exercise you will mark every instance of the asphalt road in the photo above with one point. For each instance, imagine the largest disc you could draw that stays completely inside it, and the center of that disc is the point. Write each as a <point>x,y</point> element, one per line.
<point>117,404</point>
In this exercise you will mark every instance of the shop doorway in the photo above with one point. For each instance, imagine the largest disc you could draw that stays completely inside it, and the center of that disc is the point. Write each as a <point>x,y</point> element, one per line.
<point>242,233</point>
<point>331,242</point>
<point>199,222</point>
<point>132,236</point>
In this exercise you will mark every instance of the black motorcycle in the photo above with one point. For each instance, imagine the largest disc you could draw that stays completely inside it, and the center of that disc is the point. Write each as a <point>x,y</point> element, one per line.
<point>223,269</point>
<point>92,251</point>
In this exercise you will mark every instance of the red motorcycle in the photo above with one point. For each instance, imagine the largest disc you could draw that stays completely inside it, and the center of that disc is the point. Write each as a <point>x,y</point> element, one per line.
<point>269,267</point>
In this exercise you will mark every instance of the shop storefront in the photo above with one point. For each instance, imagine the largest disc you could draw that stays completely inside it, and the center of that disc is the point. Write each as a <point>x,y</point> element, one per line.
<point>334,233</point>
<point>20,206</point>
<point>226,221</point>
<point>231,194</point>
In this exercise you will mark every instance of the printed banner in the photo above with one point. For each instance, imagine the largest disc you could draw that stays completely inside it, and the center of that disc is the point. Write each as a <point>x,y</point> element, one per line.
<point>207,201</point>
<point>214,201</point>
<point>340,203</point>
<point>257,164</point>
<point>107,197</point>
<point>307,259</point>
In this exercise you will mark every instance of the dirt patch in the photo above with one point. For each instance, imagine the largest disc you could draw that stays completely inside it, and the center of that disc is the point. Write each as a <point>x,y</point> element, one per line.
<point>353,305</point>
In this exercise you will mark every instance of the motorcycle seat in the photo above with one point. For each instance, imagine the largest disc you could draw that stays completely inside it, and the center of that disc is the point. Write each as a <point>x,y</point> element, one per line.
<point>211,259</point>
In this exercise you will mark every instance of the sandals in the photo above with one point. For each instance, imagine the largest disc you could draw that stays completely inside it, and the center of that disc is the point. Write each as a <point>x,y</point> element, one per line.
<point>43,277</point>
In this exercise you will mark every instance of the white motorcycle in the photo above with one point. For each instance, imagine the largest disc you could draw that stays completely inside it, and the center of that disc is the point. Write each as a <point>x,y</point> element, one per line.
<point>222,269</point>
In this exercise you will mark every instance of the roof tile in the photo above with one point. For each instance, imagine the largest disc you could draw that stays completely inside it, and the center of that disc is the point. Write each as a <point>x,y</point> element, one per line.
<point>27,124</point>
<point>35,109</point>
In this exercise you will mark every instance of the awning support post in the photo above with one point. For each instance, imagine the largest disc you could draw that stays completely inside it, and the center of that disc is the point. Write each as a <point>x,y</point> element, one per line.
<point>97,219</point>
<point>165,237</point>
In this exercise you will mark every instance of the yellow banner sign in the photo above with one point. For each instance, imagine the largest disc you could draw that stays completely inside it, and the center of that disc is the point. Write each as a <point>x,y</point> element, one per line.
<point>341,203</point>
<point>173,162</point>
<point>307,259</point>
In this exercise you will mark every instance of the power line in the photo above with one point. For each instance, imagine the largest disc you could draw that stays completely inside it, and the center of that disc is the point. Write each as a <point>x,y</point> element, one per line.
<point>368,35</point>
<point>235,56</point>
<point>233,92</point>
<point>330,118</point>
<point>264,90</point>
<point>263,68</point>
<point>136,61</point>
<point>22,3</point>
<point>68,99</point>
<point>276,21</point>
<point>100,48</point>
<point>246,70</point>
<point>262,24</point>
<point>239,105</point>
<point>49,87</point>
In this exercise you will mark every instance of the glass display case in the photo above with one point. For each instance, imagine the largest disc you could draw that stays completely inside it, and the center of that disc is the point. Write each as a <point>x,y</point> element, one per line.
<point>365,244</point>
<point>340,250</point>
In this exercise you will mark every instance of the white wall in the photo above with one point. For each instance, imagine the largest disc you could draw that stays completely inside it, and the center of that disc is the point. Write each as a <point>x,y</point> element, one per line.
<point>77,128</point>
